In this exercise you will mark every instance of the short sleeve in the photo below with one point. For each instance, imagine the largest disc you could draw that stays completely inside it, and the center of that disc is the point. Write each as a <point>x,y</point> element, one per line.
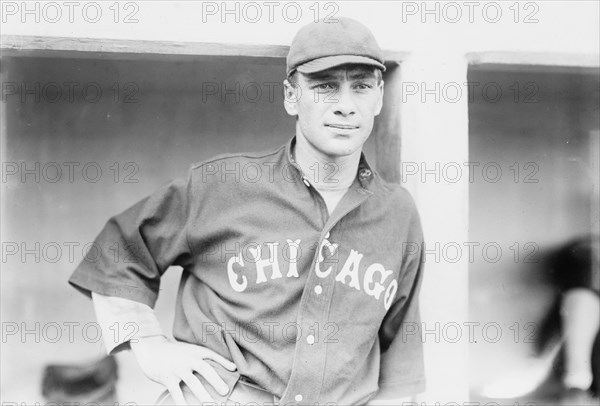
<point>136,247</point>
<point>402,365</point>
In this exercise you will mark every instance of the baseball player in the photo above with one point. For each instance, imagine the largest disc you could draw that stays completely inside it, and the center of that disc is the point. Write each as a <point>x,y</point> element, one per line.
<point>300,282</point>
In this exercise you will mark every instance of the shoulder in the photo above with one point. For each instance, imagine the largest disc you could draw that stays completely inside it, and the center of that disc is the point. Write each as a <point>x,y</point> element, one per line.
<point>395,193</point>
<point>240,157</point>
<point>400,206</point>
<point>237,170</point>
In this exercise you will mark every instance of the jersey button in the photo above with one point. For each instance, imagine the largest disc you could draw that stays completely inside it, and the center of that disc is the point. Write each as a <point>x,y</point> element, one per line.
<point>310,339</point>
<point>327,235</point>
<point>318,289</point>
<point>298,398</point>
<point>306,182</point>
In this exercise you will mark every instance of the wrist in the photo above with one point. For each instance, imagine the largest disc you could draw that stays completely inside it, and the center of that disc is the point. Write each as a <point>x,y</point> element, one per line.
<point>142,341</point>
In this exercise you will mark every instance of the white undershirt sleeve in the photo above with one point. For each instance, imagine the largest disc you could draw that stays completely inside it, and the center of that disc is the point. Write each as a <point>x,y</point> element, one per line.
<point>123,320</point>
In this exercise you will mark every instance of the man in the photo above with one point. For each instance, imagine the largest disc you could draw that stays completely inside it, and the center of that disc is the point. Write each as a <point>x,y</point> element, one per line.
<point>296,286</point>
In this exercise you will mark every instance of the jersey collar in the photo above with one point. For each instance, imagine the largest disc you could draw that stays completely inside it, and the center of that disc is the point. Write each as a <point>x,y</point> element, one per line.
<point>364,174</point>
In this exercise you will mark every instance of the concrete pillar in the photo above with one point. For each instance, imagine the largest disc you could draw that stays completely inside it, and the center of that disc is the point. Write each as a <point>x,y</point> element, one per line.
<point>434,143</point>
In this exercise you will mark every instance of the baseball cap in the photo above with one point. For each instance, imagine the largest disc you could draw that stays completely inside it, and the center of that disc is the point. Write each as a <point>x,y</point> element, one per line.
<point>324,44</point>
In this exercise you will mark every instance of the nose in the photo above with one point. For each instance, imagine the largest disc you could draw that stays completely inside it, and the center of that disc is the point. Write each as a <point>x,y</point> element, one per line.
<point>344,105</point>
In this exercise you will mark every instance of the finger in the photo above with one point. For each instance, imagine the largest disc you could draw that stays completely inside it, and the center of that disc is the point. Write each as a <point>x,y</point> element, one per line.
<point>176,393</point>
<point>197,388</point>
<point>210,354</point>
<point>212,377</point>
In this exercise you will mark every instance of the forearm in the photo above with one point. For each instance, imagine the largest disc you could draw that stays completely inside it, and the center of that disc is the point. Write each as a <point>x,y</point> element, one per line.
<point>123,320</point>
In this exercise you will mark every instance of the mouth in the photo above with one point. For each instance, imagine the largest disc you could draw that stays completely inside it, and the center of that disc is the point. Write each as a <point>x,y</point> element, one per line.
<point>342,126</point>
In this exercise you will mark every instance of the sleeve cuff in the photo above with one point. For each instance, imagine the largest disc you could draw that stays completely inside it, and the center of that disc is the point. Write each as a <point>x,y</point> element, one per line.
<point>86,280</point>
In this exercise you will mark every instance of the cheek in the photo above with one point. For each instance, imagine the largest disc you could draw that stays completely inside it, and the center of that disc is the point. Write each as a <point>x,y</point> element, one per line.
<point>310,114</point>
<point>309,126</point>
<point>371,106</point>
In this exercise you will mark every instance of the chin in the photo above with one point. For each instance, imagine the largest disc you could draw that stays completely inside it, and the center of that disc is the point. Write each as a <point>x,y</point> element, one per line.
<point>347,144</point>
<point>340,149</point>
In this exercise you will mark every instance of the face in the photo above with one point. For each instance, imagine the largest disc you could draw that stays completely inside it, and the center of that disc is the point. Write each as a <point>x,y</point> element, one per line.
<point>335,108</point>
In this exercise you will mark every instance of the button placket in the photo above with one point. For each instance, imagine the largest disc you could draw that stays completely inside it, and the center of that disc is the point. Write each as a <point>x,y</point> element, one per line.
<point>310,354</point>
<point>309,348</point>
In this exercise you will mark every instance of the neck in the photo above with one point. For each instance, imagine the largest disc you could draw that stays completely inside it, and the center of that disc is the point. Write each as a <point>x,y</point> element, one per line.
<point>326,173</point>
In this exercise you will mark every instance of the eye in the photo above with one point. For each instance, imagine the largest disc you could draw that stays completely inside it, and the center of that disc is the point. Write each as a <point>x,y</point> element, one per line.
<point>324,86</point>
<point>364,86</point>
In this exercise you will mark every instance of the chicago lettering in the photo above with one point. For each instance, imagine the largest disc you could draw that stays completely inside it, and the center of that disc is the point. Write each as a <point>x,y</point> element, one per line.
<point>376,281</point>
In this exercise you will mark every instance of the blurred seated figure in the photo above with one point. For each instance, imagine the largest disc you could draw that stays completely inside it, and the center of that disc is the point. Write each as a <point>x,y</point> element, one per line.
<point>575,321</point>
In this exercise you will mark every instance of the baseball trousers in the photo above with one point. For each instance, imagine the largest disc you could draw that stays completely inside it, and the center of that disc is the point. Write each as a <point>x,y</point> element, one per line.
<point>243,393</point>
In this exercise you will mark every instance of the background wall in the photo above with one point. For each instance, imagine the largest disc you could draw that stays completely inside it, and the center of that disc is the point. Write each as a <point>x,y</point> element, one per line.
<point>543,136</point>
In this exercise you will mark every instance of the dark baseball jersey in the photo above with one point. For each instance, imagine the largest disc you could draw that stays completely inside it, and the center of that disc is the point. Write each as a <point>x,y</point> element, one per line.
<point>309,306</point>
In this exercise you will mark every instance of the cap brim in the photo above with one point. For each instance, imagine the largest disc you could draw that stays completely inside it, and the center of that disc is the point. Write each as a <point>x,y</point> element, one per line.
<point>319,64</point>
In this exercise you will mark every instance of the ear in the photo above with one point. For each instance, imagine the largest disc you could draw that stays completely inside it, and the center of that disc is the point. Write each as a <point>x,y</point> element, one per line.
<point>380,99</point>
<point>291,95</point>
